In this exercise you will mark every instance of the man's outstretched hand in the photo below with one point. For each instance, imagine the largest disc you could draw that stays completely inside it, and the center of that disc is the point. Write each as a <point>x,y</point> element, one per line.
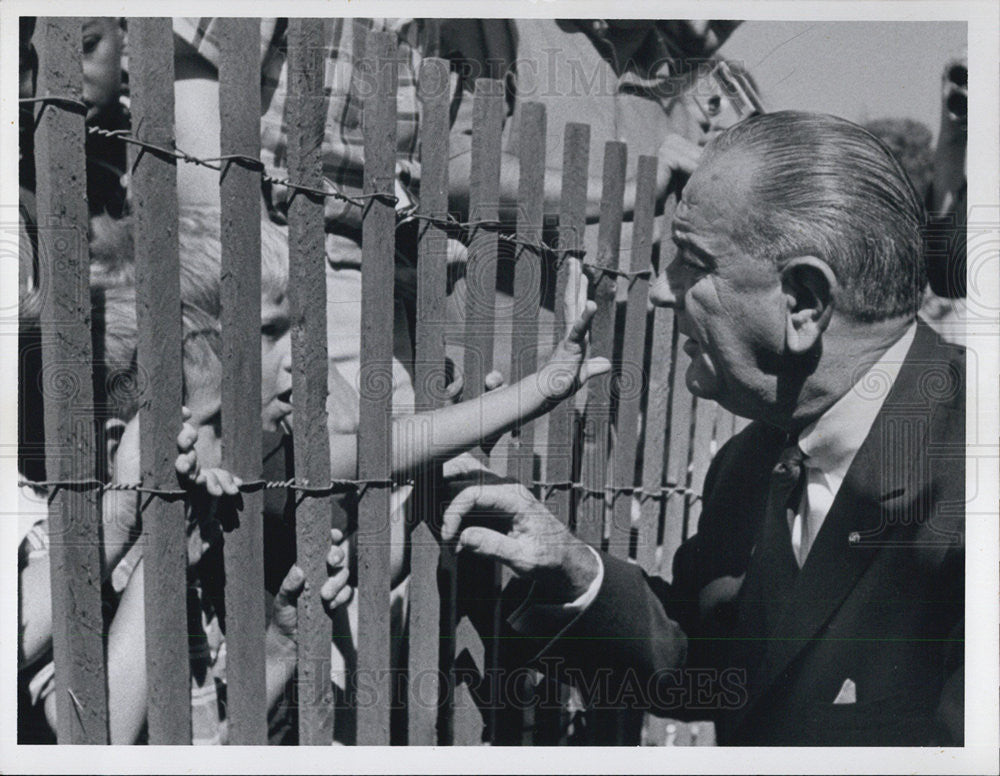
<point>524,536</point>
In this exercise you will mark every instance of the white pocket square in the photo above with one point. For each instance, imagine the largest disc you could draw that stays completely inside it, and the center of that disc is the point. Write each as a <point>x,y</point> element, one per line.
<point>848,693</point>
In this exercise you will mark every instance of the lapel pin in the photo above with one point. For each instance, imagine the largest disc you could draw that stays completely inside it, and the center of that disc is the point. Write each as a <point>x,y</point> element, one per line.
<point>854,537</point>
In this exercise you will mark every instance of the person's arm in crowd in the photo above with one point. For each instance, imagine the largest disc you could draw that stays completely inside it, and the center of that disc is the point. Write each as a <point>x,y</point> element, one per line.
<point>36,609</point>
<point>127,662</point>
<point>676,155</point>
<point>949,156</point>
<point>126,667</point>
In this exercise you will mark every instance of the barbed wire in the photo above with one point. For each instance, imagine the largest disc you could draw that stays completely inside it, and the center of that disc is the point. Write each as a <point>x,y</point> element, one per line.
<point>610,491</point>
<point>447,223</point>
<point>347,485</point>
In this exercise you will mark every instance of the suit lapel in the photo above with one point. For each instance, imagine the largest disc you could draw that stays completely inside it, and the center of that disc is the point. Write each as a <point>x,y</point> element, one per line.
<point>885,477</point>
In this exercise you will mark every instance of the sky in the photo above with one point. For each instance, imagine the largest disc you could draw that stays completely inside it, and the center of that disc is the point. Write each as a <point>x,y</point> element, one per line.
<point>857,70</point>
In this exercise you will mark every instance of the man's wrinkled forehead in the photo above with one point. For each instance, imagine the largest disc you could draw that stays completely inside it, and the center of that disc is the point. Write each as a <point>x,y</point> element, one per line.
<point>717,195</point>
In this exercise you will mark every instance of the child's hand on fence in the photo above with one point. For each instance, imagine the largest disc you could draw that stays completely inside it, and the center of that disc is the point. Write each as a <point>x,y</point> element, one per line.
<point>492,381</point>
<point>568,367</point>
<point>216,481</point>
<point>335,591</point>
<point>284,616</point>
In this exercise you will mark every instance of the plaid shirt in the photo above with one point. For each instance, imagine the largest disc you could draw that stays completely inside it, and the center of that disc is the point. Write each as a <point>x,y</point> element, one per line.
<point>343,142</point>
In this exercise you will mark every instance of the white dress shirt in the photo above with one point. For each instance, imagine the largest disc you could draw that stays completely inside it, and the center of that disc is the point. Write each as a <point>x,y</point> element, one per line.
<point>829,443</point>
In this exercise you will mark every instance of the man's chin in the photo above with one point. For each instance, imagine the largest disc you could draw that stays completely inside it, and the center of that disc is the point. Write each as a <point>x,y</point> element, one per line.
<point>700,381</point>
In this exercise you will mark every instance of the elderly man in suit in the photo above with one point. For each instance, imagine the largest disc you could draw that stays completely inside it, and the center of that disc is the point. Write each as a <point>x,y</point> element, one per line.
<point>821,601</point>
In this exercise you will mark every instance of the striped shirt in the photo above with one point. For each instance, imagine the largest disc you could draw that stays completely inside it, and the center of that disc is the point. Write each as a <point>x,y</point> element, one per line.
<point>344,91</point>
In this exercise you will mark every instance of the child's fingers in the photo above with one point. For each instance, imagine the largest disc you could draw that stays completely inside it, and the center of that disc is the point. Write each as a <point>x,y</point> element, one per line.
<point>335,557</point>
<point>186,465</point>
<point>185,414</point>
<point>578,331</point>
<point>210,479</point>
<point>230,482</point>
<point>187,437</point>
<point>335,590</point>
<point>336,535</point>
<point>343,597</point>
<point>593,367</point>
<point>291,587</point>
<point>453,390</point>
<point>574,283</point>
<point>493,380</point>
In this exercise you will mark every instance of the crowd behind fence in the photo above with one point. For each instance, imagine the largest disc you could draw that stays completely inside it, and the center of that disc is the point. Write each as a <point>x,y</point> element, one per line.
<point>620,482</point>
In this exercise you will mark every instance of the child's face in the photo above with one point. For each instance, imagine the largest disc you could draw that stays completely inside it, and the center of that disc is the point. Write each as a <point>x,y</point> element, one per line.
<point>276,364</point>
<point>102,63</point>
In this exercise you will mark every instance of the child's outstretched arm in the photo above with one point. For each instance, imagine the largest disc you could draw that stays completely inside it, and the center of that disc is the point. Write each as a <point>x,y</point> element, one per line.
<point>445,432</point>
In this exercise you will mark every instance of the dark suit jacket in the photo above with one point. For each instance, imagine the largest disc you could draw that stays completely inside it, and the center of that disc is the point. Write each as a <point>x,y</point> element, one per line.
<point>879,600</point>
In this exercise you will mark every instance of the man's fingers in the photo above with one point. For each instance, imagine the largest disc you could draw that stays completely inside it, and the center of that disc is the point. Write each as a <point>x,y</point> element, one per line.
<point>512,498</point>
<point>491,544</point>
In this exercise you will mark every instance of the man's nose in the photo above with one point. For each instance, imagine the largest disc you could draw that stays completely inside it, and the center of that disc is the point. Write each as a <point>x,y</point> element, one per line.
<point>660,293</point>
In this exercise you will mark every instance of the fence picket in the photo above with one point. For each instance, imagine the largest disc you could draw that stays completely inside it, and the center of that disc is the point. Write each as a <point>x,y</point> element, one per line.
<point>431,609</point>
<point>657,406</point>
<point>243,551</point>
<point>478,579</point>
<point>529,271</point>
<point>558,463</point>
<point>375,416</point>
<point>154,197</point>
<point>596,422</point>
<point>74,514</point>
<point>630,376</point>
<point>678,452</point>
<point>307,307</point>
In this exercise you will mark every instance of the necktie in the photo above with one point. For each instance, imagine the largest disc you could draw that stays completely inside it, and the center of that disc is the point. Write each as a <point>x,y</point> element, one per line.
<point>788,479</point>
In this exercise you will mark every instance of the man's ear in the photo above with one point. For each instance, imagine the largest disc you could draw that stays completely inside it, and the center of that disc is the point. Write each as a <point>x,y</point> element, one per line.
<point>113,430</point>
<point>810,287</point>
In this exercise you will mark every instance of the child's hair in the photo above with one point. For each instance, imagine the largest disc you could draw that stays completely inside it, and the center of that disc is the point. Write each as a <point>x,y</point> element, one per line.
<point>112,274</point>
<point>112,256</point>
<point>118,383</point>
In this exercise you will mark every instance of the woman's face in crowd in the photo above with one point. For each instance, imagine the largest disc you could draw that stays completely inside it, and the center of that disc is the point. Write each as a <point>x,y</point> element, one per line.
<point>102,63</point>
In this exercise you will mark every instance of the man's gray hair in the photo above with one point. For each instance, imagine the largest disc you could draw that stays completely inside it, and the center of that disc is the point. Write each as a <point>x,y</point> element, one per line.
<point>826,187</point>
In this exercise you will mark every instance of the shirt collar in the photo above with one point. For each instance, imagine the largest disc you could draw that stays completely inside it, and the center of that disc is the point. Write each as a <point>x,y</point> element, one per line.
<point>831,441</point>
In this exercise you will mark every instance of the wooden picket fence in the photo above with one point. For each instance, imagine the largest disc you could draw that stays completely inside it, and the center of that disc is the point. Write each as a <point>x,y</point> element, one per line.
<point>624,480</point>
